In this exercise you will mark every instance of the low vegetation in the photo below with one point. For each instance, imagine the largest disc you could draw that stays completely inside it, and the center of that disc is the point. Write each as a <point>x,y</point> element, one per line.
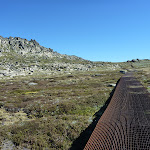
<point>52,111</point>
<point>48,99</point>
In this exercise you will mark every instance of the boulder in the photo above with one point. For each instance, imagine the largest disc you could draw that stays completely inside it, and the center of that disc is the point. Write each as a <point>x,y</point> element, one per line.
<point>32,83</point>
<point>97,75</point>
<point>133,60</point>
<point>111,85</point>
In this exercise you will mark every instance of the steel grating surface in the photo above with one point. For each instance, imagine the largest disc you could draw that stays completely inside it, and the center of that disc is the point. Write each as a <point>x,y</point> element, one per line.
<point>125,125</point>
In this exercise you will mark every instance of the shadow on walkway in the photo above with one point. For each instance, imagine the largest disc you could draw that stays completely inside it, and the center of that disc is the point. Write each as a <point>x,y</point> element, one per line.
<point>81,141</point>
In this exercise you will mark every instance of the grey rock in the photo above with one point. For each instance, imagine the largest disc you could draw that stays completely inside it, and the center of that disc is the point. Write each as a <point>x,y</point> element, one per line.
<point>7,145</point>
<point>134,60</point>
<point>32,83</point>
<point>111,85</point>
<point>97,75</point>
<point>26,57</point>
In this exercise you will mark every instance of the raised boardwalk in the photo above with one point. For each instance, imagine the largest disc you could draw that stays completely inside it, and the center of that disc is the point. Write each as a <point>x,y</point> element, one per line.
<point>125,125</point>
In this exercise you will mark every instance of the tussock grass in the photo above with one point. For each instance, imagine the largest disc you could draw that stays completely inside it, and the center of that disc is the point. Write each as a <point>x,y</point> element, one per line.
<point>58,108</point>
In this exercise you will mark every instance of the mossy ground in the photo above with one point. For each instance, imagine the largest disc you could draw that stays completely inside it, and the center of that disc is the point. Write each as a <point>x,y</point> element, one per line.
<point>55,109</point>
<point>58,108</point>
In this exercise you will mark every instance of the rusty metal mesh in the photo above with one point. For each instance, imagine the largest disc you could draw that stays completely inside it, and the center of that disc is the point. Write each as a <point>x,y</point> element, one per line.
<point>125,125</point>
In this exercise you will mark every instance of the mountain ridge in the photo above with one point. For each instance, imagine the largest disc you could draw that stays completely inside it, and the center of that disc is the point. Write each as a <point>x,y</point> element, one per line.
<point>19,56</point>
<point>24,46</point>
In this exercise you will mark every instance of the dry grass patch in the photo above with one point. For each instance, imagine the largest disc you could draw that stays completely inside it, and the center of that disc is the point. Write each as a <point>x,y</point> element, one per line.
<point>59,108</point>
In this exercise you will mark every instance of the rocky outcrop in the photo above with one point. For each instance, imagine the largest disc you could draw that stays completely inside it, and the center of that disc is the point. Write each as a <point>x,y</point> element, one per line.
<point>22,57</point>
<point>134,60</point>
<point>22,46</point>
<point>32,48</point>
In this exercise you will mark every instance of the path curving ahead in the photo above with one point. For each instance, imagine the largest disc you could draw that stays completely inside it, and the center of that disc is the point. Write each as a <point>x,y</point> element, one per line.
<point>125,124</point>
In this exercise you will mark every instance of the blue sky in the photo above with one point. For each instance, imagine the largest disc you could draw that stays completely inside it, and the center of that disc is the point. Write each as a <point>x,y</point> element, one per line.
<point>97,30</point>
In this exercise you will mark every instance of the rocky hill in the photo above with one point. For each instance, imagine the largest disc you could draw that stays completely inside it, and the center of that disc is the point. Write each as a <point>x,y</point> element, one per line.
<point>22,57</point>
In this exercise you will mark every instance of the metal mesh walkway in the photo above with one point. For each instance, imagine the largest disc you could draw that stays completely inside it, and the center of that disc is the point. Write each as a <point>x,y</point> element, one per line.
<point>125,125</point>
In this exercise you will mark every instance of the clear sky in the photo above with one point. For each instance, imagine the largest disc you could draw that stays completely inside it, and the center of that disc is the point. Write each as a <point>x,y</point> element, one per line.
<point>97,30</point>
